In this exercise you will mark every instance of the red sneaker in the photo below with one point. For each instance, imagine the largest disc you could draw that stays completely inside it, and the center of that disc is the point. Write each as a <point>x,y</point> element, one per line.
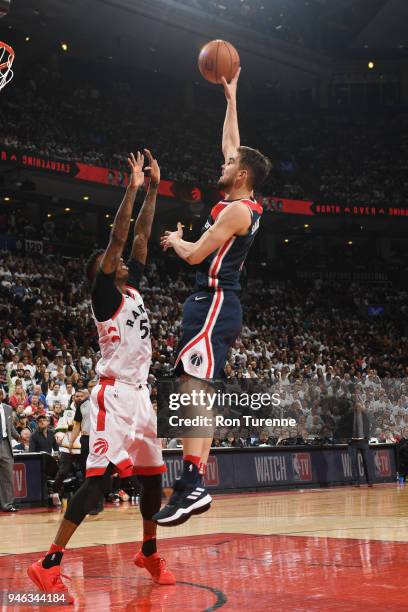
<point>156,566</point>
<point>49,580</point>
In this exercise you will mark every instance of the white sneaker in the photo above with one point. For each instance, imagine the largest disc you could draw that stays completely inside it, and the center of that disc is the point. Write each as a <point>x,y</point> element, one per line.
<point>55,498</point>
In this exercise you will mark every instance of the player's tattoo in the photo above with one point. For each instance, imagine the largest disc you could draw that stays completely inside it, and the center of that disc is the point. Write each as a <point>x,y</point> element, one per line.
<point>120,228</point>
<point>119,232</point>
<point>143,225</point>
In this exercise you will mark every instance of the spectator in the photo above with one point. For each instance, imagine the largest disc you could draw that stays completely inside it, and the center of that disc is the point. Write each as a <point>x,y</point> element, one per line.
<point>69,367</point>
<point>86,361</point>
<point>283,437</point>
<point>28,366</point>
<point>244,438</point>
<point>3,377</point>
<point>28,382</point>
<point>68,393</point>
<point>70,460</point>
<point>19,411</point>
<point>7,434</point>
<point>402,454</point>
<point>43,440</point>
<point>54,395</point>
<point>231,441</point>
<point>22,422</point>
<point>216,439</point>
<point>38,392</point>
<point>24,445</point>
<point>18,397</point>
<point>11,366</point>
<point>354,427</point>
<point>17,376</point>
<point>33,407</point>
<point>175,443</point>
<point>55,414</point>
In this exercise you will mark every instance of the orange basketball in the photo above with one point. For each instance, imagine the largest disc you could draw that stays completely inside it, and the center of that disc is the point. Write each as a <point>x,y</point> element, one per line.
<point>217,59</point>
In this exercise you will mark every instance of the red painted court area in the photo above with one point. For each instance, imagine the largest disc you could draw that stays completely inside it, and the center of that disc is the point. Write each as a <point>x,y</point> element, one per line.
<point>234,572</point>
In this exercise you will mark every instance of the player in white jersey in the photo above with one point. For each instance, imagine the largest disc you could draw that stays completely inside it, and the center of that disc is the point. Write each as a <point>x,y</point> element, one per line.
<point>123,436</point>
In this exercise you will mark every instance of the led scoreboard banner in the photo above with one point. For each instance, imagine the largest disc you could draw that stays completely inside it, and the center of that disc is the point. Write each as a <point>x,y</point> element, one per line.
<point>111,177</point>
<point>312,209</point>
<point>77,170</point>
<point>331,210</point>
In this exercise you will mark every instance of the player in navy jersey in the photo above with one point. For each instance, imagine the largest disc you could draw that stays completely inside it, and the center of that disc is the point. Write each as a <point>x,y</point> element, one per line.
<point>212,315</point>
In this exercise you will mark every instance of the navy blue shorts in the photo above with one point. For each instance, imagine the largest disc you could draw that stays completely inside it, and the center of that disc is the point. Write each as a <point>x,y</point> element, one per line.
<point>211,323</point>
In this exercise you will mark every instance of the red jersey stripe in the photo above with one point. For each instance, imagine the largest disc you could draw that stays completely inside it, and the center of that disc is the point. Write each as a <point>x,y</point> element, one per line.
<point>100,398</point>
<point>215,211</point>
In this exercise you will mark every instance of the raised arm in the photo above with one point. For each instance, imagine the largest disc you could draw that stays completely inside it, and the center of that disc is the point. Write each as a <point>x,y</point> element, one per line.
<point>230,133</point>
<point>144,221</point>
<point>121,224</point>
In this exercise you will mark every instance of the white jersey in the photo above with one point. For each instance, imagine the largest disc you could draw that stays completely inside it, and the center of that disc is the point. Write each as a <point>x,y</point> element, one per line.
<point>125,343</point>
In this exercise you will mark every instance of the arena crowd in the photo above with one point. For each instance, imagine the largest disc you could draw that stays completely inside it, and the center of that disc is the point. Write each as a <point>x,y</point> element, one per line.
<point>311,341</point>
<point>341,156</point>
<point>313,344</point>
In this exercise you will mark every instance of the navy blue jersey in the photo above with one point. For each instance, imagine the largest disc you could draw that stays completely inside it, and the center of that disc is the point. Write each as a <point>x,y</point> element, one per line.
<point>222,268</point>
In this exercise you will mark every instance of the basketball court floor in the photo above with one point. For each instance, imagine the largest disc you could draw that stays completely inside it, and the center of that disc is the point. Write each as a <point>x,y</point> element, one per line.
<point>323,549</point>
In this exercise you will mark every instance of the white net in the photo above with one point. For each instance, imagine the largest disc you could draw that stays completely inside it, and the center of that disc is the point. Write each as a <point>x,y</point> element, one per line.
<point>6,61</point>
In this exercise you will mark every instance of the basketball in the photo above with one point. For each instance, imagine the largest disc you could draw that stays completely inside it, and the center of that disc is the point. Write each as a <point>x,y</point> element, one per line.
<point>218,59</point>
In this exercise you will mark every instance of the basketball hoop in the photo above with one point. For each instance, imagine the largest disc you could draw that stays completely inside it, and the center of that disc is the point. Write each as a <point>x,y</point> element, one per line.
<point>6,61</point>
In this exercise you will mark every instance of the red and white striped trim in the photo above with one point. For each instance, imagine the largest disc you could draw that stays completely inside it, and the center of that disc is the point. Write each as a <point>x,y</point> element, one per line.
<point>97,471</point>
<point>206,331</point>
<point>132,289</point>
<point>210,369</point>
<point>100,398</point>
<point>217,209</point>
<point>217,262</point>
<point>253,206</point>
<point>124,468</point>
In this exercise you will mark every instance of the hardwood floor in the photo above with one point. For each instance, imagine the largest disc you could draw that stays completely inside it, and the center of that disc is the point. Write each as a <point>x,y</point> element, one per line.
<point>323,549</point>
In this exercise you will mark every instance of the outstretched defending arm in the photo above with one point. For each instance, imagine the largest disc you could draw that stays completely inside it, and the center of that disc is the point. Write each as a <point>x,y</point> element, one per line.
<point>230,134</point>
<point>144,221</point>
<point>121,224</point>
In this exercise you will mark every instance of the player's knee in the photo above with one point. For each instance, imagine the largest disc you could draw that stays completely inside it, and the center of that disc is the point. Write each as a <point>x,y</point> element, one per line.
<point>88,496</point>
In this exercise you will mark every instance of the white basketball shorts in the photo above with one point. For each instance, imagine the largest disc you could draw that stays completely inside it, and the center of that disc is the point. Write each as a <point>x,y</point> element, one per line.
<point>123,430</point>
